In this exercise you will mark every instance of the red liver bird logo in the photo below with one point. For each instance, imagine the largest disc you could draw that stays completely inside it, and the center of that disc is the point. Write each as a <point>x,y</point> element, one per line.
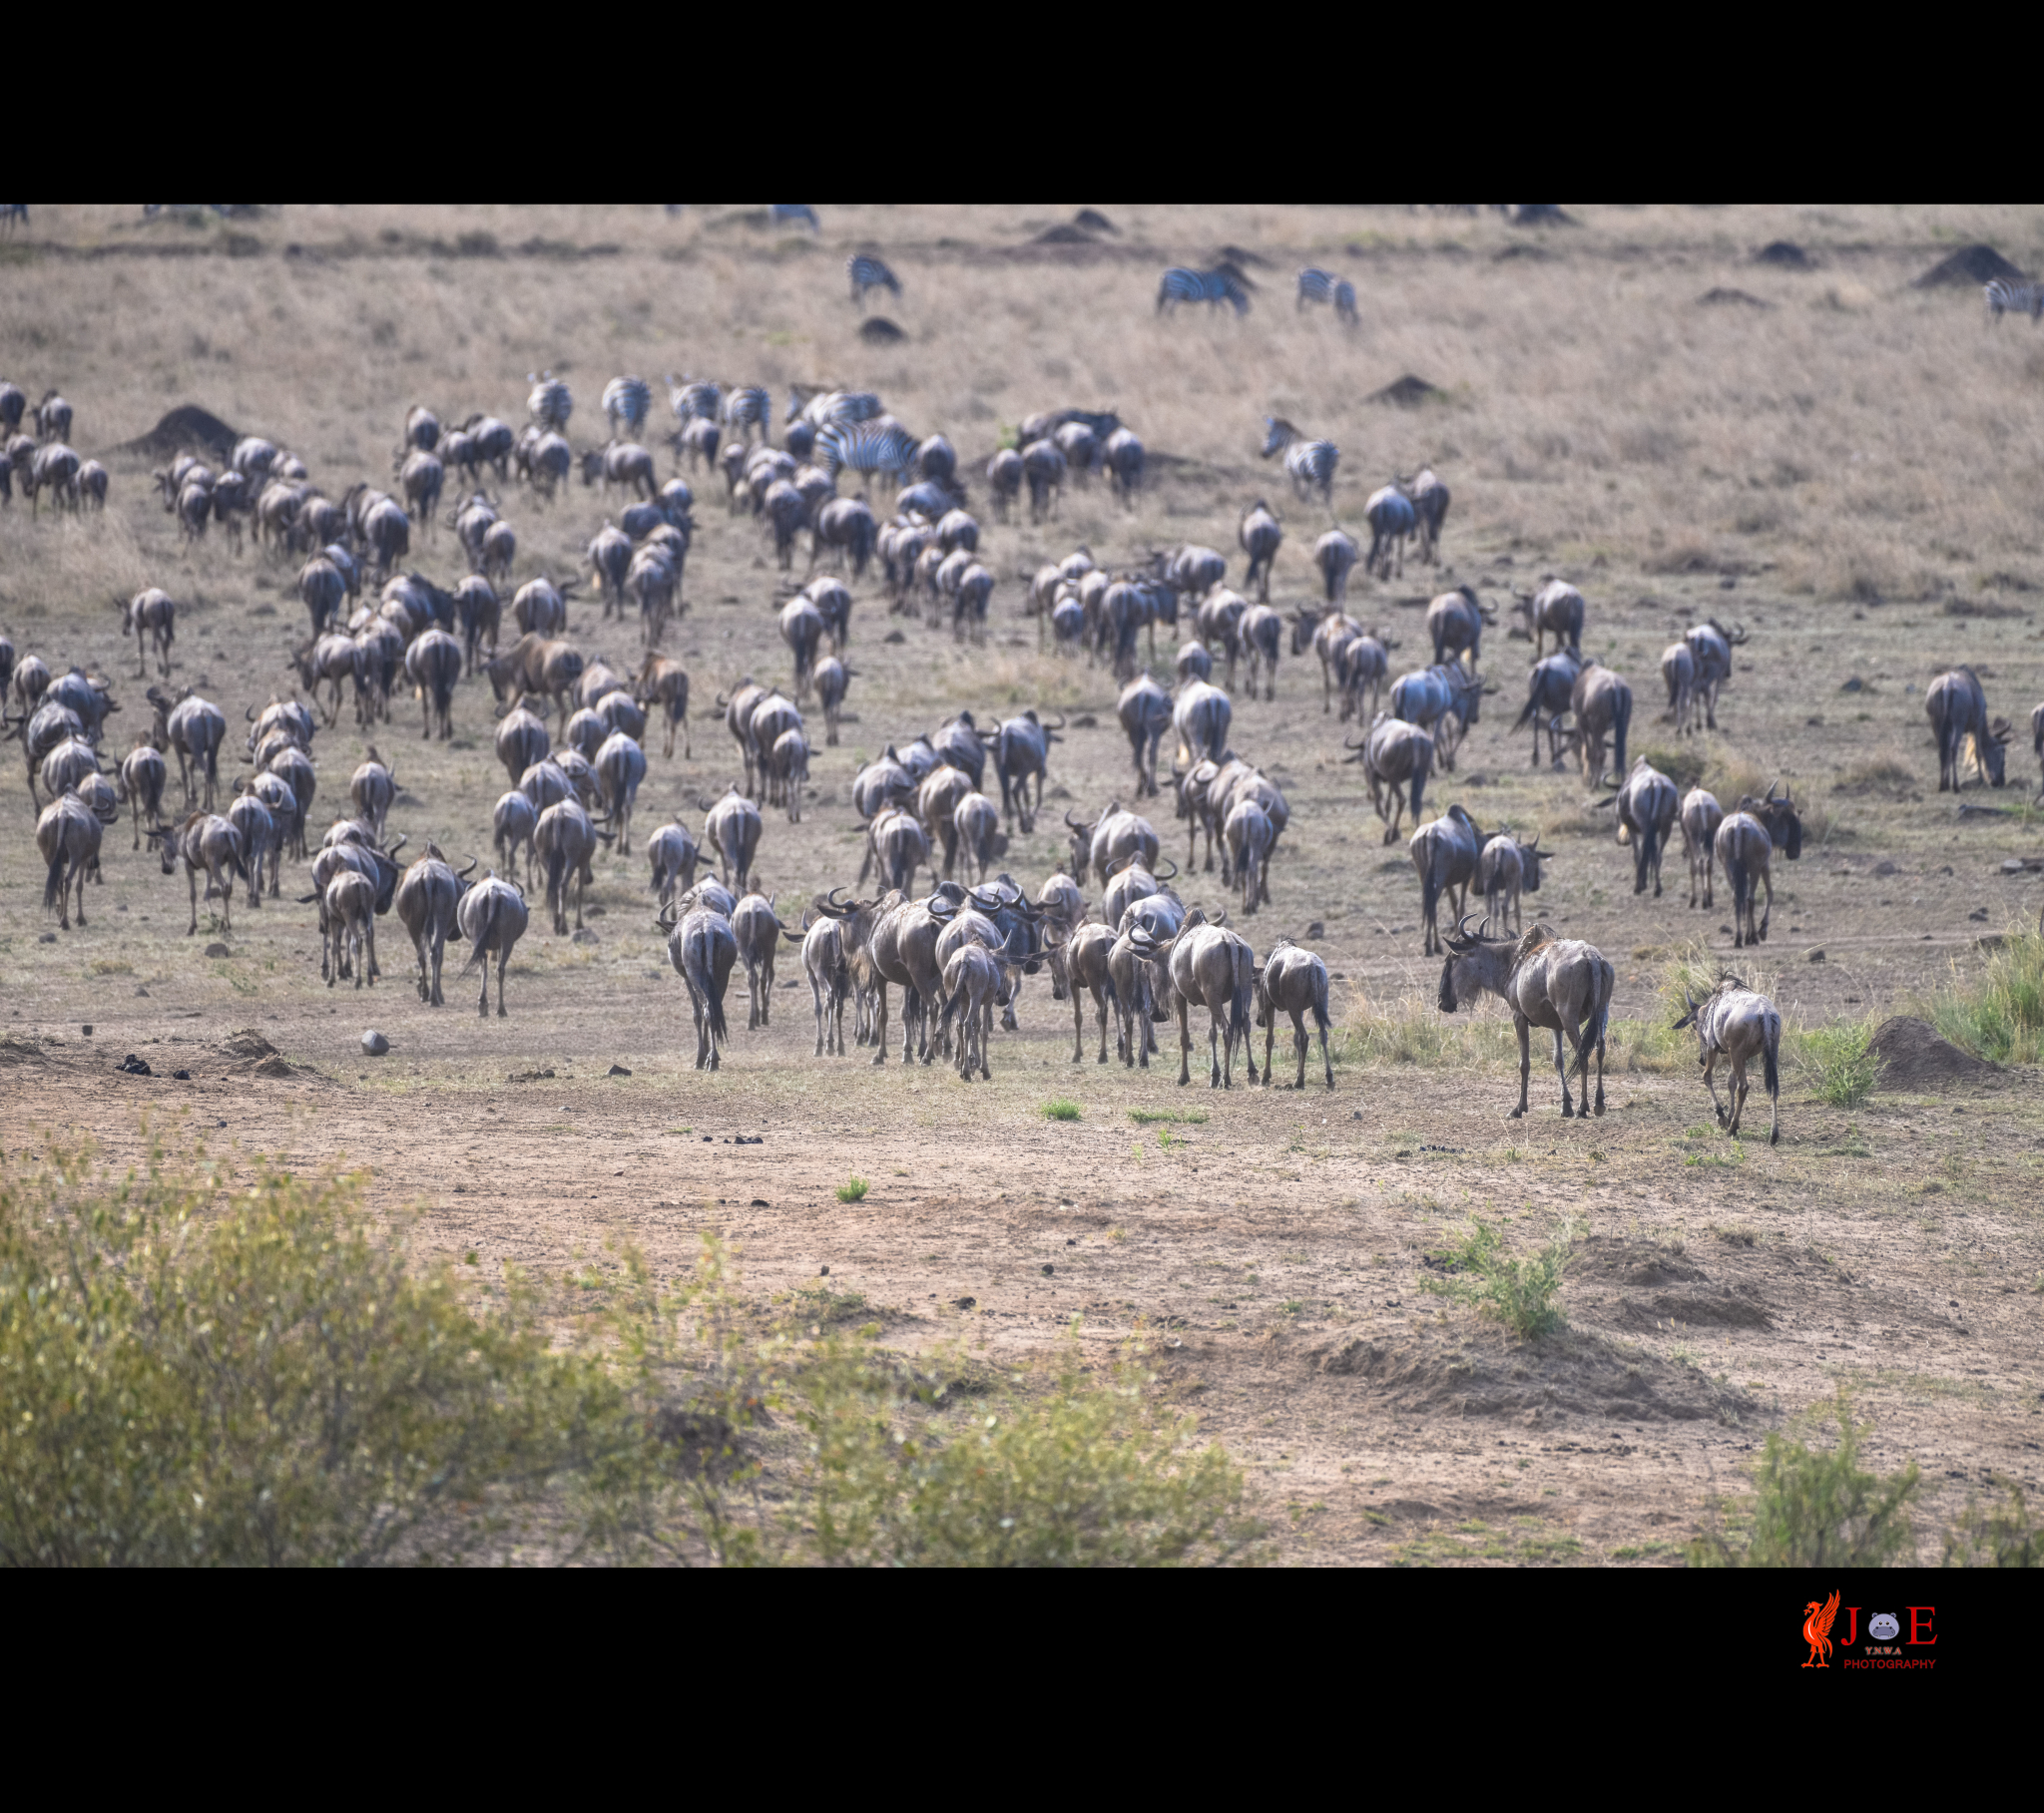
<point>1817,1631</point>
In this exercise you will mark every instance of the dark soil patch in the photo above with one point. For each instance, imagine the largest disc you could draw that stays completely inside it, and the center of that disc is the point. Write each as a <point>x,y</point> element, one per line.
<point>1784,255</point>
<point>186,429</point>
<point>880,331</point>
<point>1737,298</point>
<point>1539,254</point>
<point>1094,220</point>
<point>1410,392</point>
<point>1541,214</point>
<point>1969,264</point>
<point>1916,1057</point>
<point>1067,234</point>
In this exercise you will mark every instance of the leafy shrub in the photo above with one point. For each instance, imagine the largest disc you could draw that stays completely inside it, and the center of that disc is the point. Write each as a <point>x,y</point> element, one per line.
<point>1061,1111</point>
<point>1519,1292</point>
<point>1840,1061</point>
<point>1999,1535</point>
<point>1998,1015</point>
<point>853,1191</point>
<point>1814,1508</point>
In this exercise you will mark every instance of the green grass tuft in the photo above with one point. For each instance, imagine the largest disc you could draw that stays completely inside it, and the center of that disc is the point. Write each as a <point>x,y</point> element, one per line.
<point>1061,1111</point>
<point>853,1191</point>
<point>1188,1117</point>
<point>1840,1061</point>
<point>1998,1015</point>
<point>1518,1292</point>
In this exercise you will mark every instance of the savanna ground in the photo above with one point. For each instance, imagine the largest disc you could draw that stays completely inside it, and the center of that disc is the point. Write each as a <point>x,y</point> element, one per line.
<point>1844,463</point>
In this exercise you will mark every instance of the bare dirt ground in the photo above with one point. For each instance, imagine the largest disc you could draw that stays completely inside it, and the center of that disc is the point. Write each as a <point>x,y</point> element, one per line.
<point>1809,469</point>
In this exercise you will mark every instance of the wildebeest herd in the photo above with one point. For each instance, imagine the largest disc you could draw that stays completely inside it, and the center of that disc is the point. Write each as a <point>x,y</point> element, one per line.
<point>574,734</point>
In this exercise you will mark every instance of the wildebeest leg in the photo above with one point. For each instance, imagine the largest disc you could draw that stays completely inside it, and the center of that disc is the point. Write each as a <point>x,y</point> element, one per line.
<point>817,996</point>
<point>1270,1039</point>
<point>1185,1043</point>
<point>192,877</point>
<point>986,1033</point>
<point>1561,1070</point>
<point>880,1021</point>
<point>1716,1107</point>
<point>1214,1077</point>
<point>1077,1022</point>
<point>1101,996</point>
<point>1737,1095</point>
<point>1766,880</point>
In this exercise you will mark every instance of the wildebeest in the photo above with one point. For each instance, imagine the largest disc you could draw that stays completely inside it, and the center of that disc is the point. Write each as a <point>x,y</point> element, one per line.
<point>513,822</point>
<point>1737,1024</point>
<point>521,741</point>
<point>209,845</point>
<point>68,835</point>
<point>1455,621</point>
<point>1444,855</point>
<point>142,783</point>
<point>1214,968</point>
<point>732,827</point>
<point>1293,981</point>
<point>1396,758</point>
<point>151,617</point>
<point>1249,838</point>
<point>194,728</point>
<point>1678,674</point>
<point>1746,841</point>
<point>1560,984</point>
<point>1700,817</point>
<point>1261,535</point>
<point>1603,705</point>
<point>1021,750</point>
<point>756,931</point>
<point>372,791</point>
<point>975,981</point>
<point>492,916</point>
<point>1443,702</point>
<point>663,682</point>
<point>1550,693</point>
<point>434,665</point>
<point>1554,610</point>
<point>427,901</point>
<point>1122,455</point>
<point>1259,635</point>
<point>1336,555</point>
<point>620,767</point>
<point>262,837</point>
<point>1086,953</point>
<point>1392,519</point>
<point>348,912</point>
<point>1505,870</point>
<point>1431,500</point>
<point>1201,715</point>
<point>565,841</point>
<point>1648,805</point>
<point>1711,646</point>
<point>1362,662</point>
<point>1956,706</point>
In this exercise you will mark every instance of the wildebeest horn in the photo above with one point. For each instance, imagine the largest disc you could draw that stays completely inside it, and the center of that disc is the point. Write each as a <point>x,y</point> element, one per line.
<point>403,838</point>
<point>471,869</point>
<point>1069,825</point>
<point>1059,725</point>
<point>1174,870</point>
<point>249,716</point>
<point>1598,805</point>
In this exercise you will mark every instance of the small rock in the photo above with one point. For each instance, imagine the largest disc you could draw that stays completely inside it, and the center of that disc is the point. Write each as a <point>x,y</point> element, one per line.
<point>2012,865</point>
<point>46,938</point>
<point>965,1302</point>
<point>142,992</point>
<point>1976,913</point>
<point>617,1070</point>
<point>1817,955</point>
<point>1857,684</point>
<point>1317,930</point>
<point>760,1202</point>
<point>87,1031</point>
<point>133,1066</point>
<point>374,1044</point>
<point>181,1076</point>
<point>1048,1271</point>
<point>823,1273</point>
<point>217,950</point>
<point>893,636</point>
<point>583,935</point>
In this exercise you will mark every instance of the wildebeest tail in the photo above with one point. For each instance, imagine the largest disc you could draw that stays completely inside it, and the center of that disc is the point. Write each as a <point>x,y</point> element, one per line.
<point>1771,1057</point>
<point>1735,879</point>
<point>1321,999</point>
<point>1621,722</point>
<point>53,888</point>
<point>1531,706</point>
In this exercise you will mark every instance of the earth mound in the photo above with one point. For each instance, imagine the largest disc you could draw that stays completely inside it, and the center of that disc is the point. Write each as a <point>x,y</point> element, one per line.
<point>1916,1057</point>
<point>1407,393</point>
<point>1068,234</point>
<point>1784,252</point>
<point>1541,214</point>
<point>880,331</point>
<point>1736,297</point>
<point>1093,221</point>
<point>1969,264</point>
<point>186,429</point>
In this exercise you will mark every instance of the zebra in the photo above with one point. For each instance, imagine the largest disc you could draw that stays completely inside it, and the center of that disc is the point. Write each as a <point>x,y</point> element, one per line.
<point>746,408</point>
<point>869,273</point>
<point>1309,464</point>
<point>625,403</point>
<point>821,408</point>
<point>866,447</point>
<point>1209,286</point>
<point>690,397</point>
<point>793,214</point>
<point>1316,285</point>
<point>2004,297</point>
<point>549,405</point>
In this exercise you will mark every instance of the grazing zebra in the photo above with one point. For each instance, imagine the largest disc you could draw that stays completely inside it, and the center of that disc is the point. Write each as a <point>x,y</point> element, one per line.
<point>625,403</point>
<point>2004,297</point>
<point>869,273</point>
<point>867,448</point>
<point>691,398</point>
<point>1309,464</point>
<point>1209,286</point>
<point>1325,287</point>
<point>549,405</point>
<point>744,409</point>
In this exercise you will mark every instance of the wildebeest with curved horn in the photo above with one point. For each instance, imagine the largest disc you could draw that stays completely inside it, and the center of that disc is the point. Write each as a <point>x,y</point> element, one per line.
<point>1746,841</point>
<point>1293,981</point>
<point>1396,758</point>
<point>1737,1023</point>
<point>1560,984</point>
<point>1956,706</point>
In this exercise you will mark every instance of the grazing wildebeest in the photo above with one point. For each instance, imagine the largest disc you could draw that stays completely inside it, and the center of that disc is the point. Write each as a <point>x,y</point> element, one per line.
<point>1396,758</point>
<point>1560,984</point>
<point>1444,855</point>
<point>1700,817</point>
<point>1293,981</point>
<point>209,846</point>
<point>1260,534</point>
<point>492,916</point>
<point>1550,691</point>
<point>1455,622</point>
<point>1554,610</point>
<point>1648,805</point>
<point>1603,705</point>
<point>1746,841</point>
<point>1737,1024</point>
<point>1021,748</point>
<point>427,900</point>
<point>1957,709</point>
<point>1504,871</point>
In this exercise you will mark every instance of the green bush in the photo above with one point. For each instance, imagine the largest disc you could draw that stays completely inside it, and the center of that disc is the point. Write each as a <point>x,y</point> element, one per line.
<point>1814,1508</point>
<point>1061,1111</point>
<point>1999,1535</point>
<point>1519,1292</point>
<point>1840,1061</point>
<point>853,1191</point>
<point>1999,1014</point>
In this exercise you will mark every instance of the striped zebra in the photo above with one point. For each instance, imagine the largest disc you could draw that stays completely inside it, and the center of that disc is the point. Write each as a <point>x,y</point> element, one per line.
<point>1209,286</point>
<point>746,408</point>
<point>1309,464</point>
<point>691,397</point>
<point>2004,297</point>
<point>869,273</point>
<point>549,405</point>
<point>1316,285</point>
<point>625,403</point>
<point>867,448</point>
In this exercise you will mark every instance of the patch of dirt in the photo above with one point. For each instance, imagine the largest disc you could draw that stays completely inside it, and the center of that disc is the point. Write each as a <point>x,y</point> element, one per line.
<point>1915,1057</point>
<point>1408,392</point>
<point>1484,1373</point>
<point>1734,297</point>
<point>1969,264</point>
<point>880,331</point>
<point>186,429</point>
<point>1696,1298</point>
<point>247,1044</point>
<point>1783,254</point>
<point>15,1053</point>
<point>1067,234</point>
